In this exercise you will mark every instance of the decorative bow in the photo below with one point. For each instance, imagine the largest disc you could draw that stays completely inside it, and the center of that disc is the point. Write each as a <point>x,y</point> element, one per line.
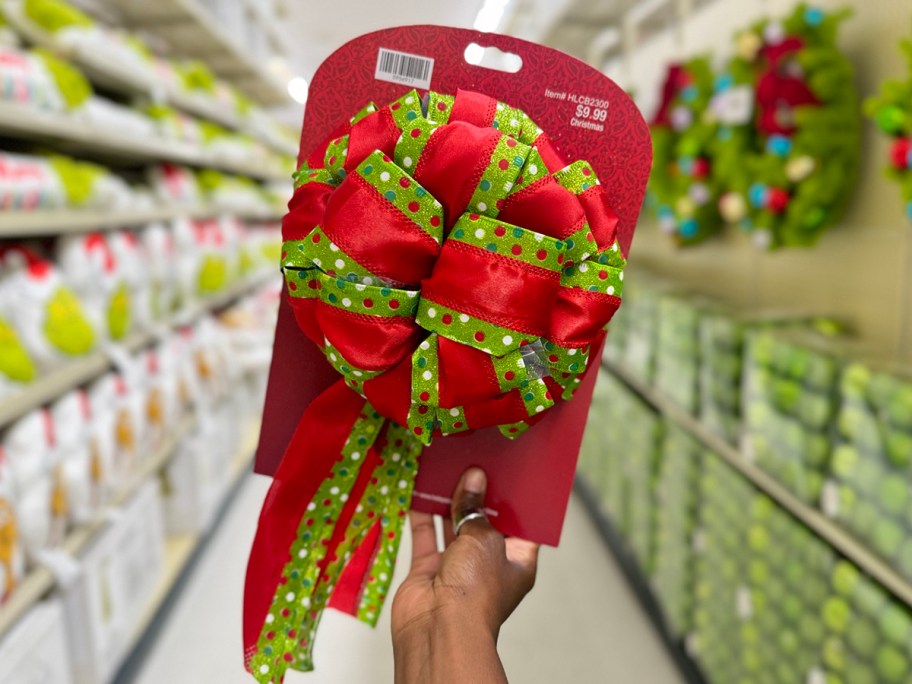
<point>456,273</point>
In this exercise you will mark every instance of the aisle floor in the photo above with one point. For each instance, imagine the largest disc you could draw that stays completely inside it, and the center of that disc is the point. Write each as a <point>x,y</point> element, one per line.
<point>580,624</point>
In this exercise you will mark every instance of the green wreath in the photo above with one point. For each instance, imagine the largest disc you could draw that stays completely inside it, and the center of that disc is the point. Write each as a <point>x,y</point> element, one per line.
<point>788,168</point>
<point>682,188</point>
<point>892,112</point>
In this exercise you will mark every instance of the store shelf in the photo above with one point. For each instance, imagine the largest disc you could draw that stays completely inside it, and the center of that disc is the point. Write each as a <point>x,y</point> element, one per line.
<point>79,372</point>
<point>181,549</point>
<point>25,224</point>
<point>193,32</point>
<point>837,537</point>
<point>637,581</point>
<point>73,133</point>
<point>41,580</point>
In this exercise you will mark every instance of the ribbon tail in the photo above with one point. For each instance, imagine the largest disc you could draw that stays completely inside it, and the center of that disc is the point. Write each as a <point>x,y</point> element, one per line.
<point>329,530</point>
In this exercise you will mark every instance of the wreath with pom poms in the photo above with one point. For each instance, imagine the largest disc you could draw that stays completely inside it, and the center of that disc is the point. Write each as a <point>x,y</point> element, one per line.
<point>788,173</point>
<point>682,190</point>
<point>892,112</point>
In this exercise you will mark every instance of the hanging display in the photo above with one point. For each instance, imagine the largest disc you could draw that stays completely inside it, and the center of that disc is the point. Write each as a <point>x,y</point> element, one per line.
<point>682,188</point>
<point>891,110</point>
<point>787,149</point>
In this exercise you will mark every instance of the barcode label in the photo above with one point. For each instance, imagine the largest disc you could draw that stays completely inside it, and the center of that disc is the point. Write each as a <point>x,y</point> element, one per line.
<point>401,67</point>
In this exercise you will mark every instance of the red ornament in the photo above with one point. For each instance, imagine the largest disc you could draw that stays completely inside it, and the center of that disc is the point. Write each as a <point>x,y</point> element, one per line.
<point>700,168</point>
<point>899,153</point>
<point>777,200</point>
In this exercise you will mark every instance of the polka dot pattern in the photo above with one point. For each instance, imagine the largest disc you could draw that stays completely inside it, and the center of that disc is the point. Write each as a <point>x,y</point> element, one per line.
<point>533,170</point>
<point>440,106</point>
<point>316,268</point>
<point>412,143</point>
<point>404,193</point>
<point>406,109</point>
<point>303,592</point>
<point>422,417</point>
<point>499,177</point>
<point>452,420</point>
<point>336,152</point>
<point>510,241</point>
<point>474,332</point>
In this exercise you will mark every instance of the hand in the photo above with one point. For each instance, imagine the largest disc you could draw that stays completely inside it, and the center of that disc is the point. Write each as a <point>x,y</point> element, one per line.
<point>447,614</point>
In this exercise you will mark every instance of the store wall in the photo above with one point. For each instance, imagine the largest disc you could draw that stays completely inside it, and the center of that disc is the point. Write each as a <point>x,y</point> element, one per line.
<point>861,270</point>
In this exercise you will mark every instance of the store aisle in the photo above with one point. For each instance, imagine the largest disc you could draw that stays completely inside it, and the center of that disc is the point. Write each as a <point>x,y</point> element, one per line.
<point>580,624</point>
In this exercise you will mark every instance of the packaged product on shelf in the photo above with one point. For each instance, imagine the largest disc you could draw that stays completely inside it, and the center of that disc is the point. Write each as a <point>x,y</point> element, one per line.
<point>25,80</point>
<point>162,402</point>
<point>233,193</point>
<point>102,281</point>
<point>41,306</point>
<point>103,439</point>
<point>105,115</point>
<point>197,80</point>
<point>868,489</point>
<point>762,585</point>
<point>641,321</point>
<point>722,336</point>
<point>789,404</point>
<point>73,32</point>
<point>12,551</point>
<point>40,493</point>
<point>37,648</point>
<point>677,501</point>
<point>118,409</point>
<point>868,632</point>
<point>174,184</point>
<point>203,262</point>
<point>133,263</point>
<point>175,124</point>
<point>119,572</point>
<point>158,245</point>
<point>677,354</point>
<point>17,368</point>
<point>90,186</point>
<point>232,148</point>
<point>71,422</point>
<point>627,455</point>
<point>30,183</point>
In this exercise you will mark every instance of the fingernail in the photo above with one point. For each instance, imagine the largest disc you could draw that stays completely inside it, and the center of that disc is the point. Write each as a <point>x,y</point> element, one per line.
<point>475,481</point>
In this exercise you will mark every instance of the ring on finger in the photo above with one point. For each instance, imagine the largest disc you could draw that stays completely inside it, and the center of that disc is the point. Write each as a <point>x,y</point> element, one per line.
<point>474,514</point>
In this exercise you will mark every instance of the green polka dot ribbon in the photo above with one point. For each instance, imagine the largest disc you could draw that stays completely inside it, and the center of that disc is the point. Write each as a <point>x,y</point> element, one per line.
<point>456,274</point>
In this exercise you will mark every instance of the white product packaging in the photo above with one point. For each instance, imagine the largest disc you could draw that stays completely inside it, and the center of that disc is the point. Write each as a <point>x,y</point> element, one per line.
<point>29,183</point>
<point>119,573</point>
<point>28,448</point>
<point>12,554</point>
<point>72,429</point>
<point>36,650</point>
<point>92,268</point>
<point>45,311</point>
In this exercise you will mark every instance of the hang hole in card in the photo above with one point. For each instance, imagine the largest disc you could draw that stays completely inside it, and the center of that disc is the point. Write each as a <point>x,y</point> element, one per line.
<point>493,58</point>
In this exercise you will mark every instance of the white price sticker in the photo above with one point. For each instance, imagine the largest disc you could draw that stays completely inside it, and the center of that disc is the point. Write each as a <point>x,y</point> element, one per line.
<point>404,68</point>
<point>744,605</point>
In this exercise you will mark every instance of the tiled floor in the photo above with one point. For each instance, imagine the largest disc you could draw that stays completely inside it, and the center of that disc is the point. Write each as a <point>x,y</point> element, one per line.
<point>579,625</point>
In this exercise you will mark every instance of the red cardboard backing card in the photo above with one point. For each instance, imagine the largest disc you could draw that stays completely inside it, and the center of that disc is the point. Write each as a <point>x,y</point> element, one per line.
<point>588,117</point>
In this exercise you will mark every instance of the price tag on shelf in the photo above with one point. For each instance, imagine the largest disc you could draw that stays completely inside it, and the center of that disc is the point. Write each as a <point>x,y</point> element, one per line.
<point>829,499</point>
<point>744,604</point>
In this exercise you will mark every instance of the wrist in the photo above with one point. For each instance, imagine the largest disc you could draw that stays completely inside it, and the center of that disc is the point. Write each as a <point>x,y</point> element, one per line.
<point>435,649</point>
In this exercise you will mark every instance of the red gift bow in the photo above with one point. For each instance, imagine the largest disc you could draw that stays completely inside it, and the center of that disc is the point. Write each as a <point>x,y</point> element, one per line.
<point>452,275</point>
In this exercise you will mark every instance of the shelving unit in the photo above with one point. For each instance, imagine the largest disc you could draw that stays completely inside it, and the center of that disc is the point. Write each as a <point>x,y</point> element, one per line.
<point>131,83</point>
<point>192,32</point>
<point>41,580</point>
<point>826,529</point>
<point>85,369</point>
<point>180,550</point>
<point>25,224</point>
<point>73,133</point>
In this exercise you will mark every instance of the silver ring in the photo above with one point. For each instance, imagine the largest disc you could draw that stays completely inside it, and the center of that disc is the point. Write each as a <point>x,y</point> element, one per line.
<point>473,515</point>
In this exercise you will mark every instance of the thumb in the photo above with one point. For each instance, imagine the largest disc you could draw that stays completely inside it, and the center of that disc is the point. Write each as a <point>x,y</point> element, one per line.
<point>469,497</point>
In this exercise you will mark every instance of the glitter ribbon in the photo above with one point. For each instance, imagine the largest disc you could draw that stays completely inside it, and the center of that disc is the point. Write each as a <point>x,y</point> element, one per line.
<point>456,273</point>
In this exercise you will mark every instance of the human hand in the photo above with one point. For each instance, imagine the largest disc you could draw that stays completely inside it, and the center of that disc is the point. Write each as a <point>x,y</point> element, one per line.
<point>447,614</point>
